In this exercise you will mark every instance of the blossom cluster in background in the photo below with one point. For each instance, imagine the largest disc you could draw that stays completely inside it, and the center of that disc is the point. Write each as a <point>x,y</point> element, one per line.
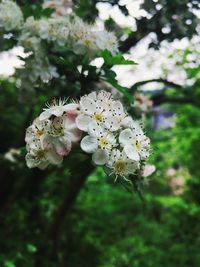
<point>11,17</point>
<point>37,36</point>
<point>108,133</point>
<point>61,6</point>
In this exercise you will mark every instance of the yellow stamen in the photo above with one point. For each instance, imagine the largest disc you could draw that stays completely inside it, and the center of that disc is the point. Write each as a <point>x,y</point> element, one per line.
<point>98,117</point>
<point>39,133</point>
<point>103,142</point>
<point>119,166</point>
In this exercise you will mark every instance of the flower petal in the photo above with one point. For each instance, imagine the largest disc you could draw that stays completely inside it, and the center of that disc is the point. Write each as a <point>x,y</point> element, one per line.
<point>70,107</point>
<point>131,153</point>
<point>93,95</point>
<point>31,162</point>
<point>111,123</point>
<point>45,115</point>
<point>57,111</point>
<point>144,154</point>
<point>54,158</point>
<point>117,108</point>
<point>87,105</point>
<point>82,122</point>
<point>100,157</point>
<point>89,144</point>
<point>94,129</point>
<point>127,122</point>
<point>74,134</point>
<point>62,145</point>
<point>126,137</point>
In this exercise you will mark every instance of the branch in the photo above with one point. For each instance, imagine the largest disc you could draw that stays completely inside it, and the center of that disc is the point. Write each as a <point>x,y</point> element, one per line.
<point>161,99</point>
<point>164,81</point>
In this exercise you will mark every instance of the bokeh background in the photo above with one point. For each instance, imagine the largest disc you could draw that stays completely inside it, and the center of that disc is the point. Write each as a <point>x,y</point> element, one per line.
<point>76,216</point>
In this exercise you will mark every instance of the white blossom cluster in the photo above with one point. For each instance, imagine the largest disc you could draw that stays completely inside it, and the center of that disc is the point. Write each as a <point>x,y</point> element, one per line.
<point>70,31</point>
<point>37,36</point>
<point>51,135</point>
<point>11,17</point>
<point>114,139</point>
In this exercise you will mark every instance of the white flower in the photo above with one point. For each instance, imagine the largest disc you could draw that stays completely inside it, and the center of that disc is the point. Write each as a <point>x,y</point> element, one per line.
<point>78,29</point>
<point>63,131</point>
<point>99,142</point>
<point>102,109</point>
<point>121,165</point>
<point>40,155</point>
<point>57,108</point>
<point>11,16</point>
<point>107,40</point>
<point>86,44</point>
<point>117,117</point>
<point>54,29</point>
<point>136,144</point>
<point>31,26</point>
<point>103,96</point>
<point>30,43</point>
<point>12,154</point>
<point>37,130</point>
<point>91,110</point>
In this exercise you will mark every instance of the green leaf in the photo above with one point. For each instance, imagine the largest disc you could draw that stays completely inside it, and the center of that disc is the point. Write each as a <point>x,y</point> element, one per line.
<point>9,264</point>
<point>110,77</point>
<point>111,60</point>
<point>36,11</point>
<point>31,248</point>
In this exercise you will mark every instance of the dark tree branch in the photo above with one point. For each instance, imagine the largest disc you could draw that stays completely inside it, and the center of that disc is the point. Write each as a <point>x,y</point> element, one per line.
<point>162,99</point>
<point>164,81</point>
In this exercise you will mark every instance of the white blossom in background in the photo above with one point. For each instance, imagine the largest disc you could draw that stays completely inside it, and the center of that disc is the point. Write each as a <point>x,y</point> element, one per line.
<point>107,40</point>
<point>11,17</point>
<point>12,155</point>
<point>71,31</point>
<point>65,30</point>
<point>114,140</point>
<point>61,7</point>
<point>169,66</point>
